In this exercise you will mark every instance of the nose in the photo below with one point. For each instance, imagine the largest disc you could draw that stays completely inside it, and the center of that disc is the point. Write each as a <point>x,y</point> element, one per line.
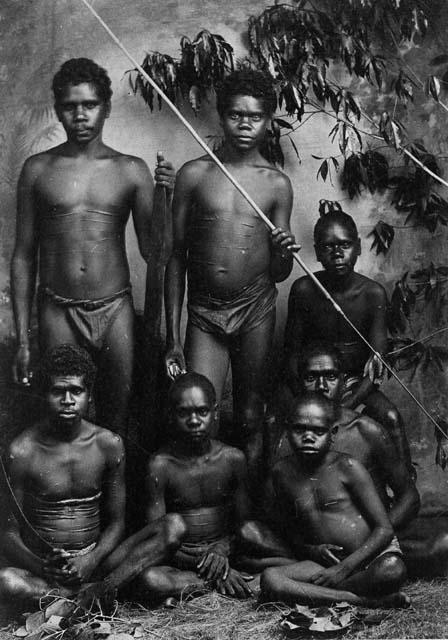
<point>68,398</point>
<point>337,250</point>
<point>80,113</point>
<point>244,122</point>
<point>193,419</point>
<point>321,384</point>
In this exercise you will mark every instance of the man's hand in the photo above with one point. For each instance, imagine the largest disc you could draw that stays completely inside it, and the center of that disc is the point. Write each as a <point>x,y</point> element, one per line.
<point>324,553</point>
<point>331,577</point>
<point>213,566</point>
<point>284,242</point>
<point>55,567</point>
<point>21,366</point>
<point>164,174</point>
<point>374,369</point>
<point>81,567</point>
<point>235,585</point>
<point>175,362</point>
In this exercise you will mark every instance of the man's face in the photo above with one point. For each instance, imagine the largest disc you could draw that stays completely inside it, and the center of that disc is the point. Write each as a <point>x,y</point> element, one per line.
<point>193,415</point>
<point>67,400</point>
<point>337,249</point>
<point>82,113</point>
<point>245,122</point>
<point>322,374</point>
<point>309,430</point>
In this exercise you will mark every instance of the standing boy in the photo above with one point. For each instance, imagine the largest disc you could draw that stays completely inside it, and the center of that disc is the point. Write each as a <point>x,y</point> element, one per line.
<point>312,317</point>
<point>231,259</point>
<point>333,518</point>
<point>67,475</point>
<point>74,201</point>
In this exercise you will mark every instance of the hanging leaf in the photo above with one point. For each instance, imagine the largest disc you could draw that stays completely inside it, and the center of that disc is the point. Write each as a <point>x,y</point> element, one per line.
<point>383,235</point>
<point>432,87</point>
<point>353,175</point>
<point>323,170</point>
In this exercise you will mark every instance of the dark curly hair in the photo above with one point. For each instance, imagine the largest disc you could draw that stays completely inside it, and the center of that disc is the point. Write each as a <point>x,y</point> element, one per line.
<point>78,70</point>
<point>246,82</point>
<point>313,397</point>
<point>339,217</point>
<point>187,381</point>
<point>319,348</point>
<point>65,360</point>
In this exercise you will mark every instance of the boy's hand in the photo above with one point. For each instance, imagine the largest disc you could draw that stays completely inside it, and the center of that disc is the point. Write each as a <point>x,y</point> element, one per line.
<point>374,369</point>
<point>55,566</point>
<point>21,366</point>
<point>81,567</point>
<point>284,242</point>
<point>175,362</point>
<point>235,585</point>
<point>164,174</point>
<point>324,553</point>
<point>213,566</point>
<point>330,577</point>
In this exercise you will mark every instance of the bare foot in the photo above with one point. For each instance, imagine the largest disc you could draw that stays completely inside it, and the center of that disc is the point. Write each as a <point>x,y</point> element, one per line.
<point>398,600</point>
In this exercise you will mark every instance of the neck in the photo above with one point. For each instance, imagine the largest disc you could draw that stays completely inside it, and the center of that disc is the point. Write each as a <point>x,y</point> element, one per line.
<point>63,432</point>
<point>341,283</point>
<point>90,149</point>
<point>230,155</point>
<point>311,462</point>
<point>192,449</point>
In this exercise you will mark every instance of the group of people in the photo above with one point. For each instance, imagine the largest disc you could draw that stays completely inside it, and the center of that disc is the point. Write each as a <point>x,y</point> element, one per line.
<point>314,494</point>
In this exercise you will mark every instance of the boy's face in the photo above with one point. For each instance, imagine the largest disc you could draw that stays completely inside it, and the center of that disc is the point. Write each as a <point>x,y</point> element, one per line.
<point>67,400</point>
<point>337,249</point>
<point>310,430</point>
<point>321,374</point>
<point>81,112</point>
<point>245,122</point>
<point>193,415</point>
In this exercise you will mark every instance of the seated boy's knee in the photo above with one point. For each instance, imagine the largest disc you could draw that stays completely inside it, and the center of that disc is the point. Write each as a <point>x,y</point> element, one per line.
<point>269,580</point>
<point>8,581</point>
<point>175,530</point>
<point>439,547</point>
<point>391,572</point>
<point>393,418</point>
<point>248,531</point>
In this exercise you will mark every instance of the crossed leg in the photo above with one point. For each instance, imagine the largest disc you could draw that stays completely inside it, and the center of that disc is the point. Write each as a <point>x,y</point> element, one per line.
<point>376,586</point>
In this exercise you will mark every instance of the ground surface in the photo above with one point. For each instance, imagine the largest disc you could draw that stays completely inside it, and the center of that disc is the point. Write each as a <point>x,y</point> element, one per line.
<point>213,617</point>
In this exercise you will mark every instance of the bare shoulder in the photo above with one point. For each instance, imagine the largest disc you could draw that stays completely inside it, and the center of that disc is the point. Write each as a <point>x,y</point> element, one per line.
<point>232,455</point>
<point>277,178</point>
<point>108,441</point>
<point>372,288</point>
<point>23,447</point>
<point>159,464</point>
<point>370,429</point>
<point>133,166</point>
<point>302,287</point>
<point>36,164</point>
<point>349,468</point>
<point>194,169</point>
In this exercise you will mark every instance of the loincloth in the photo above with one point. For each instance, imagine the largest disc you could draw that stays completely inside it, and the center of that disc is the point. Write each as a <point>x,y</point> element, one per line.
<point>72,525</point>
<point>90,319</point>
<point>244,311</point>
<point>207,527</point>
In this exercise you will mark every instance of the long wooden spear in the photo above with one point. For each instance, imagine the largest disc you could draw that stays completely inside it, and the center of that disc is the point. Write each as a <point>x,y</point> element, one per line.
<point>258,211</point>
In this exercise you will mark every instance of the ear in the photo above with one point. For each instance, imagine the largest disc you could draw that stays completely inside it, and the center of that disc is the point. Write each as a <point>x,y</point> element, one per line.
<point>317,252</point>
<point>108,109</point>
<point>57,111</point>
<point>358,246</point>
<point>333,431</point>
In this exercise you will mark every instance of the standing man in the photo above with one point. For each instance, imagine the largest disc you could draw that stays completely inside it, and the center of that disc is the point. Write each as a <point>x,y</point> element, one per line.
<point>232,261</point>
<point>74,201</point>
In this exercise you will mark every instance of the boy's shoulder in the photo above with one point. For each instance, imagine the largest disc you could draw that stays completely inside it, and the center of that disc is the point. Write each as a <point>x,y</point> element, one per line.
<point>369,285</point>
<point>23,447</point>
<point>303,286</point>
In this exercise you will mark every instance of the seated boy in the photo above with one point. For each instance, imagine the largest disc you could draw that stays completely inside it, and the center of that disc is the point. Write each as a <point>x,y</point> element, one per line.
<point>67,475</point>
<point>231,259</point>
<point>357,435</point>
<point>333,518</point>
<point>312,317</point>
<point>204,481</point>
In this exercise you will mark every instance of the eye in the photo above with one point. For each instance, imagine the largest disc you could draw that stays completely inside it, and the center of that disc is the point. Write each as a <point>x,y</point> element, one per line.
<point>256,117</point>
<point>331,376</point>
<point>345,245</point>
<point>309,378</point>
<point>203,411</point>
<point>90,105</point>
<point>233,115</point>
<point>182,413</point>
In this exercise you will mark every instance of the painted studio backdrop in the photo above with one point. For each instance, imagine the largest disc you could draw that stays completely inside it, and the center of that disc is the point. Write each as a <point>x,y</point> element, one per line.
<point>36,36</point>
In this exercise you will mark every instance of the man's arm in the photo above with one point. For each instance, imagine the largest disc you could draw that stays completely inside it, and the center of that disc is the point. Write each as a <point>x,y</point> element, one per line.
<point>176,271</point>
<point>406,499</point>
<point>24,266</point>
<point>377,301</point>
<point>283,242</point>
<point>18,554</point>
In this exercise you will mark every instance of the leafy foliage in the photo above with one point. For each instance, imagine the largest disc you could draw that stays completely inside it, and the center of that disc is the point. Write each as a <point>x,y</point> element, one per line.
<point>383,235</point>
<point>203,63</point>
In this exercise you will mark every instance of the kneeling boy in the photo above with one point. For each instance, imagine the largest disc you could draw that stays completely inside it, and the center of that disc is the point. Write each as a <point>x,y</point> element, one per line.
<point>335,521</point>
